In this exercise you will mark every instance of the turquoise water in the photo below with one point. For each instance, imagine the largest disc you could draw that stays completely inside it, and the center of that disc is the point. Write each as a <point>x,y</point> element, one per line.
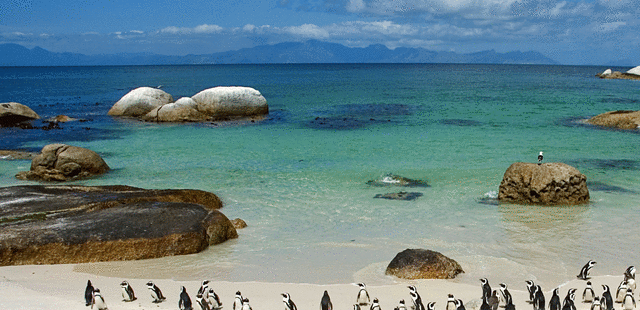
<point>299,178</point>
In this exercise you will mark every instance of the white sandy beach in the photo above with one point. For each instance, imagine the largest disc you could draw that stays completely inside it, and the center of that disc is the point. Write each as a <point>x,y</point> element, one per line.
<point>60,287</point>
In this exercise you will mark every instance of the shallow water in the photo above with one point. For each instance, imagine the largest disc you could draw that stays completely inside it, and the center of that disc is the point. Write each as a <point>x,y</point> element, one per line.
<point>299,178</point>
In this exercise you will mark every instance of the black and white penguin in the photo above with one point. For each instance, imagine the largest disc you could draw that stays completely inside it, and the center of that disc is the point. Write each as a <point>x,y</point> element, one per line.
<point>325,302</point>
<point>621,291</point>
<point>569,300</point>
<point>127,292</point>
<point>588,294</point>
<point>485,304</point>
<point>554,302</point>
<point>237,301</point>
<point>538,299</point>
<point>185,301</point>
<point>629,303</point>
<point>431,305</point>
<point>213,300</point>
<point>494,300</point>
<point>98,300</point>
<point>531,288</point>
<point>595,304</point>
<point>540,158</point>
<point>156,293</point>
<point>460,305</point>
<point>486,288</point>
<point>415,297</point>
<point>401,305</point>
<point>630,277</point>
<point>510,305</point>
<point>607,300</point>
<point>245,304</point>
<point>375,305</point>
<point>451,302</point>
<point>201,301</point>
<point>204,287</point>
<point>363,296</point>
<point>88,293</point>
<point>288,303</point>
<point>584,272</point>
<point>506,296</point>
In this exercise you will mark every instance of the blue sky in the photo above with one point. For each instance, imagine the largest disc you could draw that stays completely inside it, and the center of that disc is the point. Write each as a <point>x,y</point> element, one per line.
<point>571,31</point>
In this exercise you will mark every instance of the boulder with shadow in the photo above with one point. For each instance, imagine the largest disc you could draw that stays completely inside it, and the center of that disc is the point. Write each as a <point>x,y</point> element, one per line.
<point>13,114</point>
<point>61,162</point>
<point>423,264</point>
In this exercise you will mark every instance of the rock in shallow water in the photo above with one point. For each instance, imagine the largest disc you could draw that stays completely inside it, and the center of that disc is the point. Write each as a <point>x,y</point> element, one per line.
<point>13,114</point>
<point>75,224</point>
<point>423,264</point>
<point>396,180</point>
<point>400,196</point>
<point>61,162</point>
<point>621,119</point>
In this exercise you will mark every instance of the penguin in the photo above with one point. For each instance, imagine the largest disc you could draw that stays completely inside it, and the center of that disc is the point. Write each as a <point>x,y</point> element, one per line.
<point>630,277</point>
<point>506,296</point>
<point>431,305</point>
<point>375,305</point>
<point>325,302</point>
<point>538,299</point>
<point>415,297</point>
<point>245,304</point>
<point>401,305</point>
<point>460,305</point>
<point>554,302</point>
<point>363,296</point>
<point>621,292</point>
<point>510,305</point>
<point>607,300</point>
<point>486,288</point>
<point>485,304</point>
<point>237,301</point>
<point>201,300</point>
<point>88,293</point>
<point>213,300</point>
<point>584,272</point>
<point>288,303</point>
<point>588,294</point>
<point>628,303</point>
<point>127,292</point>
<point>494,300</point>
<point>204,287</point>
<point>156,293</point>
<point>531,286</point>
<point>98,300</point>
<point>595,305</point>
<point>569,303</point>
<point>540,158</point>
<point>185,301</point>
<point>451,302</point>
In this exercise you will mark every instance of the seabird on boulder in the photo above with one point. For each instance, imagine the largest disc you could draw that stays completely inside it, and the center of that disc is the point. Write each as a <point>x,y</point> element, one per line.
<point>540,157</point>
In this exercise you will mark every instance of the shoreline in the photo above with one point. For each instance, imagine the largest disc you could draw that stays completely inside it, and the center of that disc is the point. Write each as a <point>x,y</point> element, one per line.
<point>60,287</point>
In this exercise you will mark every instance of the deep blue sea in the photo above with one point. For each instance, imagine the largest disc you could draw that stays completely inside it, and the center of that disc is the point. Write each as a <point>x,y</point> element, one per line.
<point>299,178</point>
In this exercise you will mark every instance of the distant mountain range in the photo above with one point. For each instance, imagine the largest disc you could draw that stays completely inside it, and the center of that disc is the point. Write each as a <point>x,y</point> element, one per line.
<point>311,51</point>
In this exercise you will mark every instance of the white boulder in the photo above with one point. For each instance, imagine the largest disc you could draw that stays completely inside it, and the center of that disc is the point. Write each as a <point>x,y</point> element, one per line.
<point>140,101</point>
<point>184,109</point>
<point>231,101</point>
<point>606,72</point>
<point>635,71</point>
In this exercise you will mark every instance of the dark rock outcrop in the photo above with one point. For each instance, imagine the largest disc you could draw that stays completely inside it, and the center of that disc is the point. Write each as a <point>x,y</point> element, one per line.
<point>423,264</point>
<point>17,155</point>
<point>75,224</point>
<point>400,196</point>
<point>13,114</point>
<point>61,162</point>
<point>396,180</point>
<point>543,184</point>
<point>621,119</point>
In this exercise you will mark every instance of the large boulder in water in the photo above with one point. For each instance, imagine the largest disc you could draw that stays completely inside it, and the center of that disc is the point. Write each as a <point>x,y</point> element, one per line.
<point>13,113</point>
<point>236,101</point>
<point>61,162</point>
<point>621,119</point>
<point>543,184</point>
<point>184,109</point>
<point>423,264</point>
<point>140,101</point>
<point>77,224</point>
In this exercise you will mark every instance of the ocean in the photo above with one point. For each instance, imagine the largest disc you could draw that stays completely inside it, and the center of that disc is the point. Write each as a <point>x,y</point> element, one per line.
<point>299,178</point>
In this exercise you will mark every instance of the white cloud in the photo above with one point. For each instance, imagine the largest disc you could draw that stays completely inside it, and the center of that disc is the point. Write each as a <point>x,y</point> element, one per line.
<point>308,30</point>
<point>137,31</point>
<point>609,27</point>
<point>207,29</point>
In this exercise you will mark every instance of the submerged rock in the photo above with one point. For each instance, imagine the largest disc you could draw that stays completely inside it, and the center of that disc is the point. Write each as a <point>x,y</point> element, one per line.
<point>61,162</point>
<point>236,101</point>
<point>543,184</point>
<point>396,180</point>
<point>400,196</point>
<point>77,224</point>
<point>17,155</point>
<point>621,119</point>
<point>140,101</point>
<point>13,114</point>
<point>423,264</point>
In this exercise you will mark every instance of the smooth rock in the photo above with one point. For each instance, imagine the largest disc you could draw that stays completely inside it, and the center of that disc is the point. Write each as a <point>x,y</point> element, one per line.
<point>77,224</point>
<point>543,184</point>
<point>617,75</point>
<point>606,72</point>
<point>184,109</point>
<point>634,71</point>
<point>396,180</point>
<point>423,264</point>
<point>140,101</point>
<point>61,119</point>
<point>12,114</point>
<point>621,119</point>
<point>400,196</point>
<point>234,101</point>
<point>61,162</point>
<point>239,223</point>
